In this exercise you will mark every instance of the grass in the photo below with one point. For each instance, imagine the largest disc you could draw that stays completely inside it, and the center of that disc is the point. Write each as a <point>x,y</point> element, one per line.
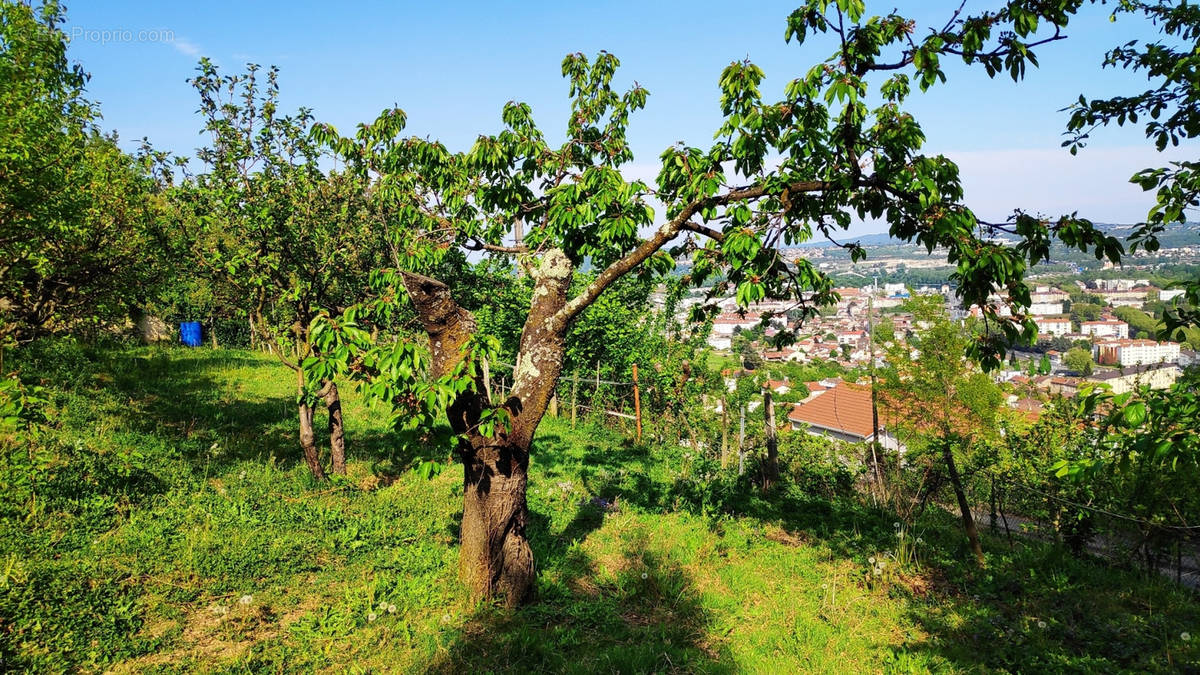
<point>174,530</point>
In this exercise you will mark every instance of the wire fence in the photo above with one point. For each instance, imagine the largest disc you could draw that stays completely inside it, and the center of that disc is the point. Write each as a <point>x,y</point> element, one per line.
<point>1019,509</point>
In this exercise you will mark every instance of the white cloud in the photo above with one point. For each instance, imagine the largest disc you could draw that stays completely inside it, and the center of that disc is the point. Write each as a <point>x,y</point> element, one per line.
<point>186,47</point>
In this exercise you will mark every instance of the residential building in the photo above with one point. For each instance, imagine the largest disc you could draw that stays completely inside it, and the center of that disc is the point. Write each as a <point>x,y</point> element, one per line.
<point>1135,352</point>
<point>841,412</point>
<point>1049,326</point>
<point>1106,328</point>
<point>1155,376</point>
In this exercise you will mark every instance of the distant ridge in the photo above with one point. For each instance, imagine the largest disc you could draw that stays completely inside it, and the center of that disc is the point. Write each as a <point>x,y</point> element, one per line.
<point>885,239</point>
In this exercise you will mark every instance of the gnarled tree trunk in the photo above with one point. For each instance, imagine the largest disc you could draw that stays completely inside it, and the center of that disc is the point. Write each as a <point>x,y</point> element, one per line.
<point>495,558</point>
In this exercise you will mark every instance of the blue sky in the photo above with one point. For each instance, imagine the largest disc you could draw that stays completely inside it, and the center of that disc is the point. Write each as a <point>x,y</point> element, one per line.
<point>452,65</point>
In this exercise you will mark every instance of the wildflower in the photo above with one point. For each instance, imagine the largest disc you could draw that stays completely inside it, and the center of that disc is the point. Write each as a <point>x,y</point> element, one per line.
<point>645,576</point>
<point>242,475</point>
<point>372,616</point>
<point>871,560</point>
<point>246,599</point>
<point>825,586</point>
<point>391,609</point>
<point>1185,636</point>
<point>383,604</point>
<point>1042,624</point>
<point>445,618</point>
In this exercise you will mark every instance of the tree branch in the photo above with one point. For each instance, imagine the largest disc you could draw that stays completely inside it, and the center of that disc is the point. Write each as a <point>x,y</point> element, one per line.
<point>665,233</point>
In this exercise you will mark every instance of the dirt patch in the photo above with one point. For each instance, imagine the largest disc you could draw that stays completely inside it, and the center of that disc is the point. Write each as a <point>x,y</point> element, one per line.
<point>782,536</point>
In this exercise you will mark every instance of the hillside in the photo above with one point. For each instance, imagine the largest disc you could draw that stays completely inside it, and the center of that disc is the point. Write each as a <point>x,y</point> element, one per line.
<point>172,529</point>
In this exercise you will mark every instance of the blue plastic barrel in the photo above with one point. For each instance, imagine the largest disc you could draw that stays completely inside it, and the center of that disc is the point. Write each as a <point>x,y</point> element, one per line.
<point>189,333</point>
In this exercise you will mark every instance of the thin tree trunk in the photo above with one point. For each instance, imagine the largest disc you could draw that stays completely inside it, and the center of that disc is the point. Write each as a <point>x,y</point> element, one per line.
<point>307,439</point>
<point>967,518</point>
<point>337,429</point>
<point>771,469</point>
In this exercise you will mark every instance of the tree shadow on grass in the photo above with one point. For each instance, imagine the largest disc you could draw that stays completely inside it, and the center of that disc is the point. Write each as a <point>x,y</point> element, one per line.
<point>632,612</point>
<point>1039,609</point>
<point>182,395</point>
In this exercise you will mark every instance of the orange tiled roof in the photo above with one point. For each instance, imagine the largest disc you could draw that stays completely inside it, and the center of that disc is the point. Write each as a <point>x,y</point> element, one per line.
<point>845,408</point>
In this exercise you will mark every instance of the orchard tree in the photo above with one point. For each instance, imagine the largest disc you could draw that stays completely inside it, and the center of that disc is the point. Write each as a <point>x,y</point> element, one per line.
<point>837,145</point>
<point>77,236</point>
<point>263,222</point>
<point>941,401</point>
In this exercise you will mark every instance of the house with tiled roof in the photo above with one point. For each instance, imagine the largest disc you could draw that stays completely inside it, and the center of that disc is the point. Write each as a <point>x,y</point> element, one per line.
<point>777,386</point>
<point>842,412</point>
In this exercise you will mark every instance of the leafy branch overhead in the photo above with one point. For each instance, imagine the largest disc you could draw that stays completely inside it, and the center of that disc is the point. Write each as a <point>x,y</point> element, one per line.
<point>778,173</point>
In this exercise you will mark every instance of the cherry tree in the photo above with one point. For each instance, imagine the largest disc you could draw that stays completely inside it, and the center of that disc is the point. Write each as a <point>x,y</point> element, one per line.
<point>837,145</point>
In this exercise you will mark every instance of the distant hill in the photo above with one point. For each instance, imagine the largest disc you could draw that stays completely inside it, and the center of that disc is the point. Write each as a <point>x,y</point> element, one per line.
<point>1175,235</point>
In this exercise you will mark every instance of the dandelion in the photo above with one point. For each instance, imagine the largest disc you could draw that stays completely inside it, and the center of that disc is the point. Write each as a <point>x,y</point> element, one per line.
<point>1185,636</point>
<point>878,572</point>
<point>1042,625</point>
<point>895,526</point>
<point>920,540</point>
<point>645,576</point>
<point>372,616</point>
<point>383,604</point>
<point>246,599</point>
<point>882,564</point>
<point>900,534</point>
<point>391,609</point>
<point>445,618</point>
<point>242,475</point>
<point>825,586</point>
<point>871,560</point>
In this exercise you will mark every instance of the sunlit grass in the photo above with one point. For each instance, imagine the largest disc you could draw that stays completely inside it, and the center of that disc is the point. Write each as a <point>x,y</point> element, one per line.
<point>176,532</point>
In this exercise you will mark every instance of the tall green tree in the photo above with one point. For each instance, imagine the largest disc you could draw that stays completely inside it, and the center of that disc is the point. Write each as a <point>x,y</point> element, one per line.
<point>264,222</point>
<point>838,143</point>
<point>77,220</point>
<point>1079,360</point>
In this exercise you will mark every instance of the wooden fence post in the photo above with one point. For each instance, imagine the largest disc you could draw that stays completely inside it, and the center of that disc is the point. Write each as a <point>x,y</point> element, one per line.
<point>742,442</point>
<point>637,404</point>
<point>574,393</point>
<point>724,432</point>
<point>487,381</point>
<point>771,471</point>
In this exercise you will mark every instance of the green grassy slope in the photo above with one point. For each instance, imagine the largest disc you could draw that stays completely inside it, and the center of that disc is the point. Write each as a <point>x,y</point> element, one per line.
<point>174,530</point>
